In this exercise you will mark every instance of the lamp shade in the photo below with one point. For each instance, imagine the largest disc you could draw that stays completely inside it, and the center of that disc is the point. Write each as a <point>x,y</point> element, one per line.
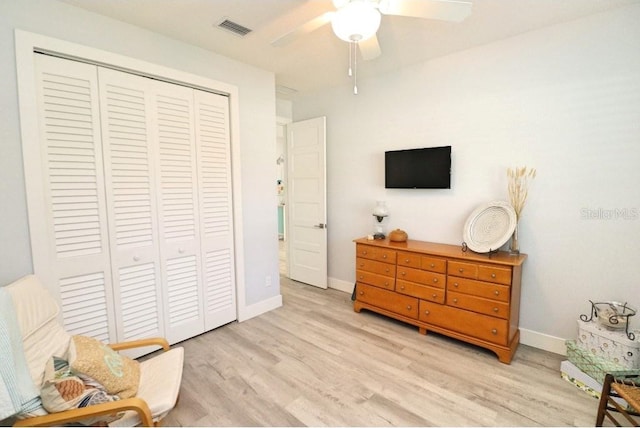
<point>356,21</point>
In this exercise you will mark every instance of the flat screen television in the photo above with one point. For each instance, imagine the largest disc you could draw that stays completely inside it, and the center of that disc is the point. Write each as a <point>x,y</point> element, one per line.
<point>427,168</point>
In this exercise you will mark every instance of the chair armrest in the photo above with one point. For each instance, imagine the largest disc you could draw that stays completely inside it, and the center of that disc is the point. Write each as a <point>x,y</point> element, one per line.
<point>157,341</point>
<point>135,403</point>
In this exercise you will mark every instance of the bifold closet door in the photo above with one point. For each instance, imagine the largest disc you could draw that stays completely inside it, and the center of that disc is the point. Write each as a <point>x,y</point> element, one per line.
<point>72,258</point>
<point>173,121</point>
<point>216,213</point>
<point>134,176</point>
<point>128,148</point>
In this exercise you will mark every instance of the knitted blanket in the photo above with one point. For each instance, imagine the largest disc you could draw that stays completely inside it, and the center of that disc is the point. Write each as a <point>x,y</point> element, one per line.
<point>17,392</point>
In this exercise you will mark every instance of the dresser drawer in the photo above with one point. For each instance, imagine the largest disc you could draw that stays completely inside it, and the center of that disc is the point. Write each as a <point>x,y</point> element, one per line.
<point>477,288</point>
<point>409,259</point>
<point>375,253</point>
<point>394,302</point>
<point>480,326</point>
<point>433,264</point>
<point>478,304</point>
<point>381,268</point>
<point>375,279</point>
<point>462,269</point>
<point>498,274</point>
<point>420,291</point>
<point>422,277</point>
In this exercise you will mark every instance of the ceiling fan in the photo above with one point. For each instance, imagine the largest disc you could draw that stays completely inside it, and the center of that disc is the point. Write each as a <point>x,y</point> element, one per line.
<point>357,22</point>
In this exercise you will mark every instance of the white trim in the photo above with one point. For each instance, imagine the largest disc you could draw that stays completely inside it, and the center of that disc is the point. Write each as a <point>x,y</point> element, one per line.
<point>27,43</point>
<point>543,341</point>
<point>260,308</point>
<point>341,285</point>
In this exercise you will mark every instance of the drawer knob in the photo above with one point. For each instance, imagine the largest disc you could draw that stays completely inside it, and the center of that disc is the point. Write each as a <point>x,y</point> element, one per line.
<point>384,256</point>
<point>361,277</point>
<point>493,275</point>
<point>408,307</point>
<point>362,293</point>
<point>495,310</point>
<point>364,252</point>
<point>494,331</point>
<point>426,312</point>
<point>387,270</point>
<point>460,270</point>
<point>361,264</point>
<point>402,287</point>
<point>455,284</point>
<point>455,300</point>
<point>406,260</point>
<point>434,295</point>
<point>435,280</point>
<point>432,265</point>
<point>386,283</point>
<point>497,293</point>
<point>403,273</point>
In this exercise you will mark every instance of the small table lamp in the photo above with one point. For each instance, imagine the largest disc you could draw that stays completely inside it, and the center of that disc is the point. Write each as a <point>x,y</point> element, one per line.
<point>380,213</point>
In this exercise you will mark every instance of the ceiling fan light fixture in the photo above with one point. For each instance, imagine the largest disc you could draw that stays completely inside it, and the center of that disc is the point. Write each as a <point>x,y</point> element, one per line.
<point>356,21</point>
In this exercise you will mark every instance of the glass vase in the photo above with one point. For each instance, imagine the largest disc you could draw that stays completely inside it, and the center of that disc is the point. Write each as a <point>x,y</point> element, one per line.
<point>514,245</point>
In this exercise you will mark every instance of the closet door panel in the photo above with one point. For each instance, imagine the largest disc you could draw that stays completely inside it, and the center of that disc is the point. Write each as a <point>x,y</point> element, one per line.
<point>178,210</point>
<point>214,177</point>
<point>131,195</point>
<point>76,265</point>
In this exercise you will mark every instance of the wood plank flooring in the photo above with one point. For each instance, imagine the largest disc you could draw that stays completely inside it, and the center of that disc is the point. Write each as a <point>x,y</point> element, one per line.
<point>315,362</point>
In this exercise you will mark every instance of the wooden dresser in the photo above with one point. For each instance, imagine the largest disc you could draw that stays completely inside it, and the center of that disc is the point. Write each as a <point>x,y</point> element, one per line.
<point>438,287</point>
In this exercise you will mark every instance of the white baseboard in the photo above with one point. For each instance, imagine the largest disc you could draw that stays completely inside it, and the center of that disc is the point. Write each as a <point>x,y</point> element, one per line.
<point>543,341</point>
<point>251,311</point>
<point>341,285</point>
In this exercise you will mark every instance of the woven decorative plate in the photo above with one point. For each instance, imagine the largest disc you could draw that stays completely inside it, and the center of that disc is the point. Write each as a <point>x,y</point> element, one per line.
<point>489,226</point>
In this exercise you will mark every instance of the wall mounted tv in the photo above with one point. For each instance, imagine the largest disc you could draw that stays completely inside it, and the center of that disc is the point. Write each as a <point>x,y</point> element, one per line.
<point>427,168</point>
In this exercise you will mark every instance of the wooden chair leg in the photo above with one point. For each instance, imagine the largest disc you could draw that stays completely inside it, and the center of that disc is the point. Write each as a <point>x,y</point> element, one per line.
<point>604,399</point>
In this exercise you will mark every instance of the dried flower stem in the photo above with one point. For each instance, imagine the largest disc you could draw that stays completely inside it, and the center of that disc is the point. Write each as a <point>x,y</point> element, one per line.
<point>519,179</point>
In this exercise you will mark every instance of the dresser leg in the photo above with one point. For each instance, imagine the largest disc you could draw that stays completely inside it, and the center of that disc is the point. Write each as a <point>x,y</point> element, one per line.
<point>422,330</point>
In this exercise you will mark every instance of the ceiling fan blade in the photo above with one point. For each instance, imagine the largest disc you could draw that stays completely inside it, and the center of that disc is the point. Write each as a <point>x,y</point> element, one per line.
<point>370,48</point>
<point>444,10</point>
<point>303,29</point>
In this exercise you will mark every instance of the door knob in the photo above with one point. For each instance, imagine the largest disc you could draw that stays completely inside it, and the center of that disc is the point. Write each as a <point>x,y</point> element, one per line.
<point>320,226</point>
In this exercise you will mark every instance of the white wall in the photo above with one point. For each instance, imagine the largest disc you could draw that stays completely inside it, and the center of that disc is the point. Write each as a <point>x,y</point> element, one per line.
<point>565,100</point>
<point>257,128</point>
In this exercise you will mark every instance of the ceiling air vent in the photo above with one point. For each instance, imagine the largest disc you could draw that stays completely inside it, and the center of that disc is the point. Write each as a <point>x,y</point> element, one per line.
<point>234,27</point>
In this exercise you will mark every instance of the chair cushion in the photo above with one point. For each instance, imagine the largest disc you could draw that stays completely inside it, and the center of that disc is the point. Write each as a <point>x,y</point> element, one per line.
<point>118,374</point>
<point>42,334</point>
<point>160,378</point>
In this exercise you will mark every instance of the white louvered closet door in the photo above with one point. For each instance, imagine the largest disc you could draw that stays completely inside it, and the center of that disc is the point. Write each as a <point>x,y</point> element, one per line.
<point>216,215</point>
<point>77,259</point>
<point>178,210</point>
<point>131,196</point>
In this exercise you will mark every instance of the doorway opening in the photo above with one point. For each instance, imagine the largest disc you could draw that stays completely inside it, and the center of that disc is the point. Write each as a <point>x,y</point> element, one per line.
<point>281,188</point>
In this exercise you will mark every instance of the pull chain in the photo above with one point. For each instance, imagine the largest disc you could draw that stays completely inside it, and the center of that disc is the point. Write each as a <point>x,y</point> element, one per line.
<point>350,72</point>
<point>355,69</point>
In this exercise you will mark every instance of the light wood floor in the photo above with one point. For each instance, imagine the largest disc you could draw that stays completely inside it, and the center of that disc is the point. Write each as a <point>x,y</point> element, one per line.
<point>315,362</point>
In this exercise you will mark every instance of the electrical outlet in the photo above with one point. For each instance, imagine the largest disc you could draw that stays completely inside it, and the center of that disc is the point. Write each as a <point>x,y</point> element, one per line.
<point>267,281</point>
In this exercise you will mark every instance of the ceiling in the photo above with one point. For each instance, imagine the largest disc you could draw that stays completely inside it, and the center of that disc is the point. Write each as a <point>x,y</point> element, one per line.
<point>319,60</point>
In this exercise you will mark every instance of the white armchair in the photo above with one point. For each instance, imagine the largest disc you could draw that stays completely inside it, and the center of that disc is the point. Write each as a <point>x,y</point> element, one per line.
<point>44,337</point>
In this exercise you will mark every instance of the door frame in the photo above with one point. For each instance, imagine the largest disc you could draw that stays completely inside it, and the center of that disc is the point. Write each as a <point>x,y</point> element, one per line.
<point>27,44</point>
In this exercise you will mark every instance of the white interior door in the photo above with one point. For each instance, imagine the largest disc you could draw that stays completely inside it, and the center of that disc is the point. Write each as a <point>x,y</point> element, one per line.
<point>216,208</point>
<point>307,202</point>
<point>131,205</point>
<point>64,171</point>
